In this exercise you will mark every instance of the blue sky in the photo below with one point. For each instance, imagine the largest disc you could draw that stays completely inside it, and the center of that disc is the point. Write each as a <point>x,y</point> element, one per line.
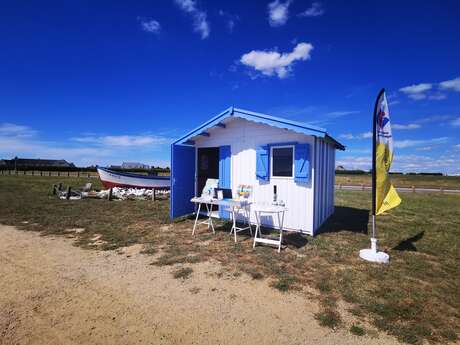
<point>99,82</point>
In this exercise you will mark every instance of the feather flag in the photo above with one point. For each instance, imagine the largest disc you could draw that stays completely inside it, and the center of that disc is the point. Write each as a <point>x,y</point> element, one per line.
<point>385,195</point>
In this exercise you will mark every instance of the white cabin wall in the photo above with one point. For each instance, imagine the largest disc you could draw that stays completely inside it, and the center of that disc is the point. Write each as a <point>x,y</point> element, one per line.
<point>324,182</point>
<point>244,136</point>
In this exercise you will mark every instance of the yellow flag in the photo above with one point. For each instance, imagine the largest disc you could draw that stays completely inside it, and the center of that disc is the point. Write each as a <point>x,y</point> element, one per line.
<point>386,196</point>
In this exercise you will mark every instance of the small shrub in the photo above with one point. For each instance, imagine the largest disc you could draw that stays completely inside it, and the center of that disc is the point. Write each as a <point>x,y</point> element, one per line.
<point>357,330</point>
<point>328,318</point>
<point>284,283</point>
<point>149,250</point>
<point>182,273</point>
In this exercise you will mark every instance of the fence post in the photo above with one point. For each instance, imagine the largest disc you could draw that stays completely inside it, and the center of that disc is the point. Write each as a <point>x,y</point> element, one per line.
<point>69,189</point>
<point>413,189</point>
<point>110,194</point>
<point>88,175</point>
<point>362,186</point>
<point>78,173</point>
<point>441,190</point>
<point>60,186</point>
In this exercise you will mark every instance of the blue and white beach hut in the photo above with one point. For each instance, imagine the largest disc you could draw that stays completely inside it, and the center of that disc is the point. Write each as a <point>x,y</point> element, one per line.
<point>273,155</point>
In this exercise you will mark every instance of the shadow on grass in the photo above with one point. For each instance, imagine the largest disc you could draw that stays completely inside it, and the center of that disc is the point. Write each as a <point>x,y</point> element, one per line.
<point>408,244</point>
<point>295,239</point>
<point>347,219</point>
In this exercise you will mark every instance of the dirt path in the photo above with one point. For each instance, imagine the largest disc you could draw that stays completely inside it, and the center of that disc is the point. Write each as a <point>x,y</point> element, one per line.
<point>54,293</point>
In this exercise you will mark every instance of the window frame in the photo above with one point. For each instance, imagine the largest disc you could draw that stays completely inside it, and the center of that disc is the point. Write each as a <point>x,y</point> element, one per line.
<point>292,146</point>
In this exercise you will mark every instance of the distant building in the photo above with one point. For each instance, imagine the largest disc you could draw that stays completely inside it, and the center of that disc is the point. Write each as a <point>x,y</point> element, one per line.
<point>134,165</point>
<point>35,163</point>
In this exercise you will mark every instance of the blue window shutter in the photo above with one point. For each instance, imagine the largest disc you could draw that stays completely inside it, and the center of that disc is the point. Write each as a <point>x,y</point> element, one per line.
<point>224,166</point>
<point>302,163</point>
<point>263,163</point>
<point>225,172</point>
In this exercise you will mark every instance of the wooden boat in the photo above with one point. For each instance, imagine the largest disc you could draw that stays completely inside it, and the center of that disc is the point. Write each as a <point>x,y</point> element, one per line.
<point>111,178</point>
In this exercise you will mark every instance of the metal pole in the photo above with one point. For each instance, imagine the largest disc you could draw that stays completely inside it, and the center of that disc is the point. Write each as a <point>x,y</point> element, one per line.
<point>374,227</point>
<point>374,172</point>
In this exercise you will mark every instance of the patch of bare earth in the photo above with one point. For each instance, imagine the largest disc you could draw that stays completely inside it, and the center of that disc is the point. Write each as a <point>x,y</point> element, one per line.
<point>56,293</point>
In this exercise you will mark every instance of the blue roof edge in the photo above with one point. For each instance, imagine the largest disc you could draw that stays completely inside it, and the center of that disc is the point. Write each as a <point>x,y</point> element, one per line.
<point>270,120</point>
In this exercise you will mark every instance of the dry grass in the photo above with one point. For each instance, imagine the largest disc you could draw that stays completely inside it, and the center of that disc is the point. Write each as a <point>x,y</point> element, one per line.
<point>416,297</point>
<point>420,181</point>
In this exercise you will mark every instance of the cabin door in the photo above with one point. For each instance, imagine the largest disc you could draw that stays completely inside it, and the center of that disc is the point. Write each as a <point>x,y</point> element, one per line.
<point>207,166</point>
<point>182,180</point>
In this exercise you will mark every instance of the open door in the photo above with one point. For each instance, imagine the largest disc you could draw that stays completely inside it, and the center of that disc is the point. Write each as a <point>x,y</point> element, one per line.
<point>182,180</point>
<point>225,173</point>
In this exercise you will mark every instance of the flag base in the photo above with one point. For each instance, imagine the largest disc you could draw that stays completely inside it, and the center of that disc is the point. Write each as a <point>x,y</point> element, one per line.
<point>373,255</point>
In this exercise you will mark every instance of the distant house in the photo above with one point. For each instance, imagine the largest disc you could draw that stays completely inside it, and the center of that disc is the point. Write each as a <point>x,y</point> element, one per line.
<point>134,165</point>
<point>35,163</point>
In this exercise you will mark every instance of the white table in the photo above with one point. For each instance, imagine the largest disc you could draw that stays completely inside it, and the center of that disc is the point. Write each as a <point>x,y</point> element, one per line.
<point>209,203</point>
<point>279,211</point>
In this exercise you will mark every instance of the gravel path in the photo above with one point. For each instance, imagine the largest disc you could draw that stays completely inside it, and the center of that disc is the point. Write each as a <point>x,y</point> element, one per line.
<point>55,293</point>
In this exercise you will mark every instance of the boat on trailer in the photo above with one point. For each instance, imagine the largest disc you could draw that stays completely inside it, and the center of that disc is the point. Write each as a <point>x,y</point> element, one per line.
<point>111,178</point>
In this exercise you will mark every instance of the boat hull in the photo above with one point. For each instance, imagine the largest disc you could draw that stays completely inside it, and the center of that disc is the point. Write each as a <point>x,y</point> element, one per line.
<point>110,179</point>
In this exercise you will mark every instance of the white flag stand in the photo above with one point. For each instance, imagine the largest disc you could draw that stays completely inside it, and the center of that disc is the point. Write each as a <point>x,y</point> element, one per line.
<point>372,254</point>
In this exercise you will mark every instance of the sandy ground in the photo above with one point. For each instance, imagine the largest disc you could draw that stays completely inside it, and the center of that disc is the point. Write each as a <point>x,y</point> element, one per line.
<point>54,293</point>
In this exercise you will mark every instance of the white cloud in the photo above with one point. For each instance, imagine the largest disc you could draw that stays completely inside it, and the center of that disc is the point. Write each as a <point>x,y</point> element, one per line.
<point>405,127</point>
<point>151,26</point>
<point>230,19</point>
<point>456,122</point>
<point>200,21</point>
<point>417,91</point>
<point>349,136</point>
<point>336,114</point>
<point>453,84</point>
<point>272,63</point>
<point>457,147</point>
<point>22,141</point>
<point>437,96</point>
<point>434,118</point>
<point>315,10</point>
<point>123,140</point>
<point>11,129</point>
<point>403,144</point>
<point>278,12</point>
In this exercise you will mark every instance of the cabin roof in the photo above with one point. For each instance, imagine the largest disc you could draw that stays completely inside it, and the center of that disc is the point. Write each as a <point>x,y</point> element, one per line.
<point>218,121</point>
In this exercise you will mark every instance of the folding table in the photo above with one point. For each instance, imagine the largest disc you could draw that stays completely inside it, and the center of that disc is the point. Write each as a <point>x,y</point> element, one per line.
<point>279,211</point>
<point>209,203</point>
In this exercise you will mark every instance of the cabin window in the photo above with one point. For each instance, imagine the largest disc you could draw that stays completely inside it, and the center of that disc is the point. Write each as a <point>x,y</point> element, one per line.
<point>282,159</point>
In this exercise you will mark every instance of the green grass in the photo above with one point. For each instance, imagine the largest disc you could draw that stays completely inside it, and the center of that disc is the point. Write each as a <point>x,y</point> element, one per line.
<point>415,298</point>
<point>426,181</point>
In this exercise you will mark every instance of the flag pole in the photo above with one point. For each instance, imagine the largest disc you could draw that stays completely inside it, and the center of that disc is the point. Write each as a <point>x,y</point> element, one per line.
<point>373,254</point>
<point>374,170</point>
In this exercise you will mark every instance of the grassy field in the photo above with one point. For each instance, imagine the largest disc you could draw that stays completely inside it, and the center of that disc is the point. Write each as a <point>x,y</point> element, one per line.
<point>416,298</point>
<point>421,181</point>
